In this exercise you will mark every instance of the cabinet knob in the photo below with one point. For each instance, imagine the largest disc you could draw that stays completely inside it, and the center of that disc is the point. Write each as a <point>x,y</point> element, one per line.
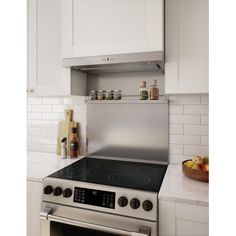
<point>29,91</point>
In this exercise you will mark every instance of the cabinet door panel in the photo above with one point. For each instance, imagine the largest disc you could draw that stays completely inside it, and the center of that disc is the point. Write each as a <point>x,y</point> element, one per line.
<point>193,43</point>
<point>102,27</point>
<point>191,228</point>
<point>187,46</point>
<point>33,208</point>
<point>46,73</point>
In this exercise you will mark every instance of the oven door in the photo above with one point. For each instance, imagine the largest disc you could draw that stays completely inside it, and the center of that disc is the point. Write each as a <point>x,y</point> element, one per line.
<point>67,221</point>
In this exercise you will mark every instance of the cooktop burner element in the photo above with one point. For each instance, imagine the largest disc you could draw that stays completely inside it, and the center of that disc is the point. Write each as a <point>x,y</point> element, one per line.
<point>123,179</point>
<point>135,175</point>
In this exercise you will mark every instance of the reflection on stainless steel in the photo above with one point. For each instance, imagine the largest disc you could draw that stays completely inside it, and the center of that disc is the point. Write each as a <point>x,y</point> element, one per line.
<point>137,131</point>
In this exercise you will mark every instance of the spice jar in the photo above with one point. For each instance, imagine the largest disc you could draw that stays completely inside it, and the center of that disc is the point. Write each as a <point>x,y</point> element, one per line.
<point>154,91</point>
<point>143,91</point>
<point>101,94</point>
<point>93,95</point>
<point>117,94</point>
<point>108,95</point>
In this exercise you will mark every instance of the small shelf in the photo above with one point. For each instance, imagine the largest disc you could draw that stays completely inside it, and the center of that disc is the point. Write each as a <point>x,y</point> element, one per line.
<point>129,99</point>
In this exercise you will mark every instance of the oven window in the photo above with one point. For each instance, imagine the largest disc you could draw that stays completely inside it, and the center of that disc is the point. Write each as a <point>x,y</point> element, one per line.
<point>59,229</point>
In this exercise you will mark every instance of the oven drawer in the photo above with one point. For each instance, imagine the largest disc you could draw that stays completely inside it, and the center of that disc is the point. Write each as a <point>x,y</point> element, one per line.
<point>64,221</point>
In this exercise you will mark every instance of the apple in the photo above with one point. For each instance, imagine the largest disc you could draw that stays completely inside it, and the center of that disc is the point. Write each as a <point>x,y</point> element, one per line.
<point>203,167</point>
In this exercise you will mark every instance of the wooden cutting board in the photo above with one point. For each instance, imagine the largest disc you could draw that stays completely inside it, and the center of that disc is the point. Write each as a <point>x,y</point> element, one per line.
<point>65,130</point>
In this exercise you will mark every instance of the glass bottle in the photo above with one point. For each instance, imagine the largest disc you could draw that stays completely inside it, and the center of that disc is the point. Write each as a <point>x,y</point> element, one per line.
<point>154,91</point>
<point>74,143</point>
<point>143,91</point>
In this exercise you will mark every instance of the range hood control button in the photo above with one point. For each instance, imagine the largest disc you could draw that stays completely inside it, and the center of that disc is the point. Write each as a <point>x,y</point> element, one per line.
<point>147,205</point>
<point>135,203</point>
<point>57,191</point>
<point>48,189</point>
<point>67,193</point>
<point>122,201</point>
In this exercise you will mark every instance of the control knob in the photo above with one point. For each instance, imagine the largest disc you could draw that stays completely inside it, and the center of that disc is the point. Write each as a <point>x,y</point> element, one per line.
<point>48,189</point>
<point>67,192</point>
<point>57,191</point>
<point>135,203</point>
<point>147,205</point>
<point>122,201</point>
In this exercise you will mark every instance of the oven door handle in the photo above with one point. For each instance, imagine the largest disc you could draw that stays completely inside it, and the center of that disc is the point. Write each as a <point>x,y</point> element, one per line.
<point>46,215</point>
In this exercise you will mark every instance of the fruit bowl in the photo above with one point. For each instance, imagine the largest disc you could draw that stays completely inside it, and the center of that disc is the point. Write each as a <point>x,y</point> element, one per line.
<point>195,174</point>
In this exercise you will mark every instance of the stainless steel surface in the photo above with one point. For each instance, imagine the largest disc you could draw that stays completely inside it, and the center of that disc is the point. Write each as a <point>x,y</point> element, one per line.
<point>143,231</point>
<point>119,192</point>
<point>138,131</point>
<point>92,220</point>
<point>143,61</point>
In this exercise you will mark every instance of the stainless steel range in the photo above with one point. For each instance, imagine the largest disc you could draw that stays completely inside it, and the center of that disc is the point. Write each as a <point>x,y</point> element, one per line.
<point>106,195</point>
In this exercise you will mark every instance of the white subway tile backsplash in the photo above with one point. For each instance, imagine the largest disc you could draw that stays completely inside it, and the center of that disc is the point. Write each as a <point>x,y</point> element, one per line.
<point>176,109</point>
<point>196,129</point>
<point>184,139</point>
<point>176,149</point>
<point>205,140</point>
<point>177,159</point>
<point>176,129</point>
<point>62,108</point>
<point>34,131</point>
<point>52,132</point>
<point>34,115</point>
<point>188,124</point>
<point>184,119</point>
<point>196,150</point>
<point>196,109</point>
<point>34,100</point>
<point>74,100</point>
<point>52,100</point>
<point>41,108</point>
<point>185,99</point>
<point>52,116</point>
<point>41,123</point>
<point>204,119</point>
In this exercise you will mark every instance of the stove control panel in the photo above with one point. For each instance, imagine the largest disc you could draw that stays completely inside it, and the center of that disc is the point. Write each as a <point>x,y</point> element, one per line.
<point>94,197</point>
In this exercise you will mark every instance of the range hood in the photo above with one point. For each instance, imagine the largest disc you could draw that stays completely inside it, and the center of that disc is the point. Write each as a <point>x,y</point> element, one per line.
<point>130,62</point>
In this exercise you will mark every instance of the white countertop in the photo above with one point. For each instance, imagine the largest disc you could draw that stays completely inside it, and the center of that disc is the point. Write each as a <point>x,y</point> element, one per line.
<point>40,165</point>
<point>179,188</point>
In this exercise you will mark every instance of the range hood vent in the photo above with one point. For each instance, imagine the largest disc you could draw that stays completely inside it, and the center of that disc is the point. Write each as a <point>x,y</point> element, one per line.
<point>131,62</point>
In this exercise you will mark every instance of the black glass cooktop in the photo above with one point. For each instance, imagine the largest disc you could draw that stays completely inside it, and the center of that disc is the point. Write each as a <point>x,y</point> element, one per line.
<point>135,175</point>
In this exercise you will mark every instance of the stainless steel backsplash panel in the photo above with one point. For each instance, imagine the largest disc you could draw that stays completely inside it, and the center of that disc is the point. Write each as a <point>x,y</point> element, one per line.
<point>138,131</point>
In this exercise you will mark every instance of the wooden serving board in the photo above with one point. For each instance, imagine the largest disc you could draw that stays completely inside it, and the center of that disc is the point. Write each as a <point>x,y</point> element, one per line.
<point>65,130</point>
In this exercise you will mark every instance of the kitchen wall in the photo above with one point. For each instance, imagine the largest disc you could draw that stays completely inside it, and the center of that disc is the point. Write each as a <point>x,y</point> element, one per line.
<point>188,123</point>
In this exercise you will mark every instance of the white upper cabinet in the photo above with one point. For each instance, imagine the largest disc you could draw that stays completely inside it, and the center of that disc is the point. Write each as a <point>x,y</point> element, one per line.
<point>186,68</point>
<point>106,27</point>
<point>46,75</point>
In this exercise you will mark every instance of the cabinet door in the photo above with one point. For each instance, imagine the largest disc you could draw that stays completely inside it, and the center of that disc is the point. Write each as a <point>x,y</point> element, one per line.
<point>100,27</point>
<point>46,75</point>
<point>187,28</point>
<point>33,208</point>
<point>191,228</point>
